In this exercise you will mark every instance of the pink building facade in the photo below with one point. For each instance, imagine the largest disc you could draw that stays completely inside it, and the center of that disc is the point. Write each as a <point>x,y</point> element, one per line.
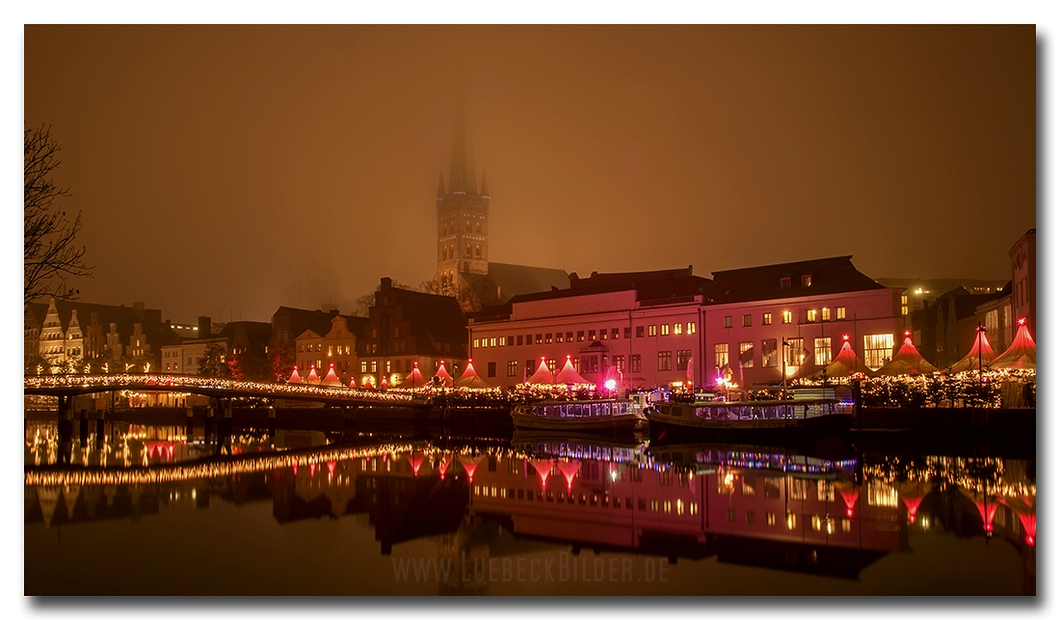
<point>762,325</point>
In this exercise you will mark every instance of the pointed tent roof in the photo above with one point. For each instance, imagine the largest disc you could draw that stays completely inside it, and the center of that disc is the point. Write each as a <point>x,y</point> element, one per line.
<point>907,361</point>
<point>443,374</point>
<point>844,364</point>
<point>331,379</point>
<point>470,378</point>
<point>415,378</point>
<point>568,376</point>
<point>541,376</point>
<point>1022,353</point>
<point>353,382</point>
<point>312,377</point>
<point>295,377</point>
<point>972,360</point>
<point>384,384</point>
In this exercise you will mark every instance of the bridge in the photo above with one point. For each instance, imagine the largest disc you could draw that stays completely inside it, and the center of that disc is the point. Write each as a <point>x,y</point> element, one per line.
<point>65,387</point>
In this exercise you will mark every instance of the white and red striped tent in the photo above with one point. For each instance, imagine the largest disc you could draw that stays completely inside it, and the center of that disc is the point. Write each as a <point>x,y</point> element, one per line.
<point>295,377</point>
<point>541,376</point>
<point>443,374</point>
<point>972,361</point>
<point>1021,354</point>
<point>568,376</point>
<point>907,361</point>
<point>415,379</point>
<point>470,379</point>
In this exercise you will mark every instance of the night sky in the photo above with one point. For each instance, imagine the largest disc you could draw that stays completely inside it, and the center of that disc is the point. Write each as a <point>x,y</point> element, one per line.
<point>226,170</point>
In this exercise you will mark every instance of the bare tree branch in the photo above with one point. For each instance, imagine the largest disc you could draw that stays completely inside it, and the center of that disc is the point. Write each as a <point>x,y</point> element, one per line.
<point>50,254</point>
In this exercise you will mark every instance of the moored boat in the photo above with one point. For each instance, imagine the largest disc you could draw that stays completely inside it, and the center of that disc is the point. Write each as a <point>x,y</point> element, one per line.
<point>599,416</point>
<point>783,422</point>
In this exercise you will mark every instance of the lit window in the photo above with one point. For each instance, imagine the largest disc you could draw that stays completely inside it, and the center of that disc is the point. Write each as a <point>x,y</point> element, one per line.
<point>570,336</point>
<point>651,330</point>
<point>767,318</point>
<point>592,334</point>
<point>493,341</point>
<point>878,349</point>
<point>548,338</point>
<point>786,316</point>
<point>840,313</point>
<point>794,354</point>
<point>822,351</point>
<point>826,314</point>
<point>769,353</point>
<point>721,354</point>
<point>665,329</point>
<point>807,280</point>
<point>683,355</point>
<point>513,367</point>
<point>551,365</point>
<point>664,358</point>
<point>691,328</point>
<point>747,355</point>
<point>728,322</point>
<point>811,315</point>
<point>747,320</point>
<point>537,339</point>
<point>677,329</point>
<point>581,336</point>
<point>614,333</point>
<point>603,334</point>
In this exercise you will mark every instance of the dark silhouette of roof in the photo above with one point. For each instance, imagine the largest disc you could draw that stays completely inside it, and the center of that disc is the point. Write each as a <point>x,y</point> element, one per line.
<point>515,280</point>
<point>784,280</point>
<point>434,319</point>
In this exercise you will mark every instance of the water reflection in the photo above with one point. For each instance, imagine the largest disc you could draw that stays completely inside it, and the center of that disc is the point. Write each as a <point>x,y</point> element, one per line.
<point>474,501</point>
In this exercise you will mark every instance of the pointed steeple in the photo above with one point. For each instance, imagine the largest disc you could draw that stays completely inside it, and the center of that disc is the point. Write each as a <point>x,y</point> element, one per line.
<point>462,168</point>
<point>483,190</point>
<point>441,185</point>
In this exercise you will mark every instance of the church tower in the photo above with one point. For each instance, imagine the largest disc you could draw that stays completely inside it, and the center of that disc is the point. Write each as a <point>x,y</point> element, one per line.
<point>463,214</point>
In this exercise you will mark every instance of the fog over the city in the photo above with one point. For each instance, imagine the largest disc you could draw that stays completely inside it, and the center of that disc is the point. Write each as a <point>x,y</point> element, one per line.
<point>227,170</point>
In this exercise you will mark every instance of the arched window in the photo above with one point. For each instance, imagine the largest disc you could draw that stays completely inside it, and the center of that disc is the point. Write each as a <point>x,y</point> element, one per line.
<point>467,227</point>
<point>478,228</point>
<point>467,251</point>
<point>478,251</point>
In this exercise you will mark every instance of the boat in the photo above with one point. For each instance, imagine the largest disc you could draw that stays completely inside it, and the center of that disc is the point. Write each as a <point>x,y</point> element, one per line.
<point>597,416</point>
<point>775,422</point>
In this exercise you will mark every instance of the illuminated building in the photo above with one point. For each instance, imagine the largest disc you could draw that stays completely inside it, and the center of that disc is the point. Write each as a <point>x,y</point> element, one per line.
<point>650,325</point>
<point>405,328</point>
<point>337,345</point>
<point>64,331</point>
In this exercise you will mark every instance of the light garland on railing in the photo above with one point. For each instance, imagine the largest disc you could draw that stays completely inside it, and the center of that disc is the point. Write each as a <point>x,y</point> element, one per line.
<point>253,388</point>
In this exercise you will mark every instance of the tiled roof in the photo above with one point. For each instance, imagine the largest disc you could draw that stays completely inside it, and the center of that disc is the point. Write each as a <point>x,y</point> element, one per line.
<point>827,276</point>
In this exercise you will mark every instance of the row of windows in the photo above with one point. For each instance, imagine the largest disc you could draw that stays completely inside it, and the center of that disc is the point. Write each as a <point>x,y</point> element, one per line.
<point>614,333</point>
<point>332,349</point>
<point>786,317</point>
<point>678,507</point>
<point>877,352</point>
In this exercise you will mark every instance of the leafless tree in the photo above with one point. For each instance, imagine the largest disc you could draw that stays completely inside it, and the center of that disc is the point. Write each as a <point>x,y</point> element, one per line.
<point>51,254</point>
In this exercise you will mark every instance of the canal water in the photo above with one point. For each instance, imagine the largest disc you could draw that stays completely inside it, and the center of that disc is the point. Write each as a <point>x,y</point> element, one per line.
<point>126,509</point>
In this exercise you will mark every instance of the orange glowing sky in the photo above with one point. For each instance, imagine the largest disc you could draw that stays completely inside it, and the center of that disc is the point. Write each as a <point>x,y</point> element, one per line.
<point>232,169</point>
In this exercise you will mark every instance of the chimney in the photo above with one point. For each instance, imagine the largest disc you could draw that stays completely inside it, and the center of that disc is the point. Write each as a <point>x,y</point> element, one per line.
<point>384,284</point>
<point>204,327</point>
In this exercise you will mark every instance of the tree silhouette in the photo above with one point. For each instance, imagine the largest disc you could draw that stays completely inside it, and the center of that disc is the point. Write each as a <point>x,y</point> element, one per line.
<point>50,253</point>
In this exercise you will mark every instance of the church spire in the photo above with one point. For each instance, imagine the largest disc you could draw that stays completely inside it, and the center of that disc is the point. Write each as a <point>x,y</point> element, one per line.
<point>483,190</point>
<point>462,169</point>
<point>441,185</point>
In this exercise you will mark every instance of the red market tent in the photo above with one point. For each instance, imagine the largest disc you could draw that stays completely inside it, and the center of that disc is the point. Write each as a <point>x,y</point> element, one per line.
<point>353,382</point>
<point>415,379</point>
<point>1022,353</point>
<point>443,374</point>
<point>331,379</point>
<point>542,376</point>
<point>907,361</point>
<point>568,376</point>
<point>844,364</point>
<point>470,378</point>
<point>384,384</point>
<point>972,360</point>
<point>312,378</point>
<point>295,377</point>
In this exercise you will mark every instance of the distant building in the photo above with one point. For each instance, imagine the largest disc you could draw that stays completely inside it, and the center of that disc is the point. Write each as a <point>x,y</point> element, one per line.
<point>406,328</point>
<point>761,324</point>
<point>464,265</point>
<point>944,329</point>
<point>64,331</point>
<point>245,345</point>
<point>336,346</point>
